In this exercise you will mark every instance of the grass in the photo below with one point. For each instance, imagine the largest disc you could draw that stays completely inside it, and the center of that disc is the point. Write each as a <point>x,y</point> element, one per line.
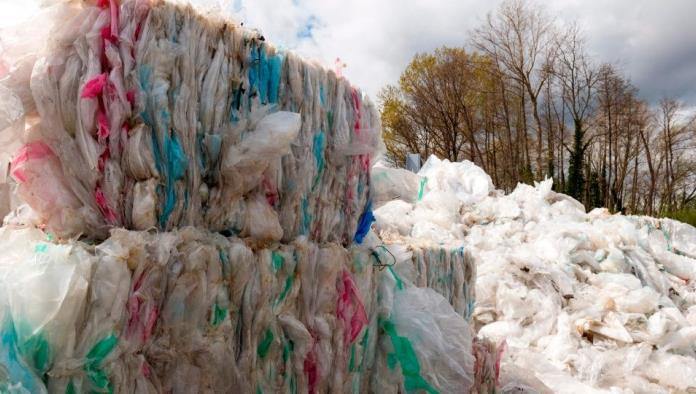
<point>686,215</point>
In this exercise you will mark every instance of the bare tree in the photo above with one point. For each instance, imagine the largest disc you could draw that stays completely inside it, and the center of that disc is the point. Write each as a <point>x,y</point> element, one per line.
<point>676,139</point>
<point>577,77</point>
<point>532,101</point>
<point>520,38</point>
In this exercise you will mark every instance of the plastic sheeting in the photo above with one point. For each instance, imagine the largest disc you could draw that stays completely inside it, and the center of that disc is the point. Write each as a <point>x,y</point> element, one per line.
<point>434,212</point>
<point>448,269</point>
<point>191,310</point>
<point>153,116</point>
<point>587,302</point>
<point>426,294</point>
<point>425,346</point>
<point>181,312</point>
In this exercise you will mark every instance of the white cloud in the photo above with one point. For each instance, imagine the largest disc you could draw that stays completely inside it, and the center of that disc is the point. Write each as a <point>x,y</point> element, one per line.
<point>654,42</point>
<point>376,39</point>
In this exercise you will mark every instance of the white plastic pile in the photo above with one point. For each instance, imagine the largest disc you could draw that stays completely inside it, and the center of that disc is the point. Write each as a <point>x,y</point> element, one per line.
<point>586,302</point>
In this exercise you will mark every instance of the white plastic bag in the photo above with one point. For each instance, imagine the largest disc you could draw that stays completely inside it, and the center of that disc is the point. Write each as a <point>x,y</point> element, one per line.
<point>464,179</point>
<point>395,183</point>
<point>43,287</point>
<point>426,343</point>
<point>244,164</point>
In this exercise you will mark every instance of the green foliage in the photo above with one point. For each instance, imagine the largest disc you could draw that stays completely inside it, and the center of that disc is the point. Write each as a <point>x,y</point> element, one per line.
<point>576,177</point>
<point>527,175</point>
<point>437,105</point>
<point>595,197</point>
<point>686,215</point>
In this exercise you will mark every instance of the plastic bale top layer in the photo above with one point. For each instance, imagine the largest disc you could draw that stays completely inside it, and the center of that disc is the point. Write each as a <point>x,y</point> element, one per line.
<point>151,115</point>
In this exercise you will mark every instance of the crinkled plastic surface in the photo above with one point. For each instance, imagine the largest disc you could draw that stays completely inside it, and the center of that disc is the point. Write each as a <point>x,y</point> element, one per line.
<point>193,310</point>
<point>587,302</point>
<point>468,182</point>
<point>43,185</point>
<point>448,269</point>
<point>42,292</point>
<point>396,184</point>
<point>156,111</point>
<point>434,212</point>
<point>487,367</point>
<point>183,311</point>
<point>425,346</point>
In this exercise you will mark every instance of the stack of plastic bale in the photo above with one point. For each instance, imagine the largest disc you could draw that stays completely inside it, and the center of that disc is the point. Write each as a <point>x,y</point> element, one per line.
<point>422,343</point>
<point>154,116</point>
<point>442,266</point>
<point>182,311</point>
<point>221,187</point>
<point>189,310</point>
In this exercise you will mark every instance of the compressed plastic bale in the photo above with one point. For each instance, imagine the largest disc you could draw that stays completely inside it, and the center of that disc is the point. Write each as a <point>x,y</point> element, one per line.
<point>448,269</point>
<point>152,93</point>
<point>487,366</point>
<point>425,346</point>
<point>191,309</point>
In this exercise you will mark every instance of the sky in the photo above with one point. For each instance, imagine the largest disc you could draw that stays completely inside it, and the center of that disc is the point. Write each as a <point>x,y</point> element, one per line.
<point>652,42</point>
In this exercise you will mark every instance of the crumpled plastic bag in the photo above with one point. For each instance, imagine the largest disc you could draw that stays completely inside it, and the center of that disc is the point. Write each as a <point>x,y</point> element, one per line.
<point>43,185</point>
<point>468,182</point>
<point>396,184</point>
<point>244,164</point>
<point>43,287</point>
<point>426,345</point>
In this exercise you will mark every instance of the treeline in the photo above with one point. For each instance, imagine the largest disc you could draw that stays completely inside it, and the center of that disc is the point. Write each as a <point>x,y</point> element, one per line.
<point>528,102</point>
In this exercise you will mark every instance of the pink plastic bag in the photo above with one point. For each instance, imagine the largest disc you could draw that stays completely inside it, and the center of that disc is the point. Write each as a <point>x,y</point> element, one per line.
<point>42,185</point>
<point>350,309</point>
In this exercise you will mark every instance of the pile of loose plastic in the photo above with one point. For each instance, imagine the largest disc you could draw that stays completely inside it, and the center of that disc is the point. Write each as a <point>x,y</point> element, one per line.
<point>154,116</point>
<point>587,302</point>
